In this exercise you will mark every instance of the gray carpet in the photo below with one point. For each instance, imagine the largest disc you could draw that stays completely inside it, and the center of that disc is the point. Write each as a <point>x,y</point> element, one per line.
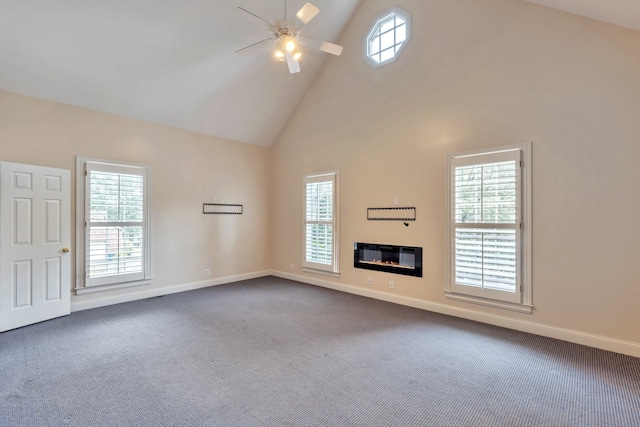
<point>271,352</point>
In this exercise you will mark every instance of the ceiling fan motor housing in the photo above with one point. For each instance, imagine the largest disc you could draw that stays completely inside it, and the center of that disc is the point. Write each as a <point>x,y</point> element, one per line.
<point>283,29</point>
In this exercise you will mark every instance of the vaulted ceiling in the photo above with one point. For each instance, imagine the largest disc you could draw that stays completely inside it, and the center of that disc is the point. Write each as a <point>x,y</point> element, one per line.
<point>173,61</point>
<point>625,13</point>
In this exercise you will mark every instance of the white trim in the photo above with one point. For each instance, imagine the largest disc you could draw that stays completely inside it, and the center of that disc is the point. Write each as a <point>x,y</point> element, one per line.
<point>525,247</point>
<point>584,338</point>
<point>81,208</point>
<point>376,21</point>
<point>312,267</point>
<point>323,272</point>
<point>520,308</point>
<point>150,293</point>
<point>112,287</point>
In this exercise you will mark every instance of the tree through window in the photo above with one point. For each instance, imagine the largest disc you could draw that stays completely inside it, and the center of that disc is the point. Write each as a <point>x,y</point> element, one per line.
<point>115,223</point>
<point>320,224</point>
<point>489,227</point>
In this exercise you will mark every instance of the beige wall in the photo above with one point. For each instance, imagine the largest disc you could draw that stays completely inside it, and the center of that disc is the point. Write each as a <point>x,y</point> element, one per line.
<point>188,169</point>
<point>481,74</point>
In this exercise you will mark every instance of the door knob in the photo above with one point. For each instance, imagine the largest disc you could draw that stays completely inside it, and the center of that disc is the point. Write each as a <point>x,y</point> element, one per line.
<point>65,250</point>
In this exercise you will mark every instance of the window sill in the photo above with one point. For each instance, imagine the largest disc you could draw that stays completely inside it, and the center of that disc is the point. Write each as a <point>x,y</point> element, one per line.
<point>103,288</point>
<point>520,308</point>
<point>322,272</point>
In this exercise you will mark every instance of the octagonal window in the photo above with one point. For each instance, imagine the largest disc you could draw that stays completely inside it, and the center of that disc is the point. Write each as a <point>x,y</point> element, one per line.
<point>388,36</point>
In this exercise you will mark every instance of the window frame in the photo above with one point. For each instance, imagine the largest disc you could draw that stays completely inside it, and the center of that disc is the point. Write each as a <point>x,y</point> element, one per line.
<point>521,300</point>
<point>312,267</point>
<point>83,165</point>
<point>372,30</point>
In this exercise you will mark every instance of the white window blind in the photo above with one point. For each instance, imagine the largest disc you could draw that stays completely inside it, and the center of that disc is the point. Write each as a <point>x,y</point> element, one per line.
<point>486,225</point>
<point>116,248</point>
<point>320,222</point>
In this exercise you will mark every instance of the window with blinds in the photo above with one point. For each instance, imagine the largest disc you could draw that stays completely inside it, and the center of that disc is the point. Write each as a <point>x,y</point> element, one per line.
<point>486,228</point>
<point>320,234</point>
<point>115,224</point>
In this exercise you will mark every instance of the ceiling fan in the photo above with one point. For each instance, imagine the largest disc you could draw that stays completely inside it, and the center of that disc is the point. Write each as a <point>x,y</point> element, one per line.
<point>286,36</point>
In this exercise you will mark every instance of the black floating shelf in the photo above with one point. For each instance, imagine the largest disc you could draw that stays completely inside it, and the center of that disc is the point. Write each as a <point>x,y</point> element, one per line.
<point>391,214</point>
<point>221,209</point>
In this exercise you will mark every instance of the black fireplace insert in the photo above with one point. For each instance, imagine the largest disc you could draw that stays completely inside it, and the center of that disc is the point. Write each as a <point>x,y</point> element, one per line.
<point>405,260</point>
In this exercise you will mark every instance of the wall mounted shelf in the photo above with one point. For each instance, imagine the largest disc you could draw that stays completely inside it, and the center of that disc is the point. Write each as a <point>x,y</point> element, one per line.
<point>391,214</point>
<point>222,209</point>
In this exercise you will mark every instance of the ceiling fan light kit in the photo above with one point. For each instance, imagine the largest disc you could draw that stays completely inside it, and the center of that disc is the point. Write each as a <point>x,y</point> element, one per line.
<point>287,39</point>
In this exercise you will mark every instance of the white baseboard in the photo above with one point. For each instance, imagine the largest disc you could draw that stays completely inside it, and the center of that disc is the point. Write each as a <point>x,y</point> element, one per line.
<point>597,341</point>
<point>150,293</point>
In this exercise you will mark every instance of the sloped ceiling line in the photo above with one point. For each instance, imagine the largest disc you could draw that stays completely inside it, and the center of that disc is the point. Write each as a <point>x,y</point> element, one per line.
<point>173,62</point>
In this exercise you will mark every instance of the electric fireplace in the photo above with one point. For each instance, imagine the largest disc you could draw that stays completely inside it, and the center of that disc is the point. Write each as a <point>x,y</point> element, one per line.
<point>405,260</point>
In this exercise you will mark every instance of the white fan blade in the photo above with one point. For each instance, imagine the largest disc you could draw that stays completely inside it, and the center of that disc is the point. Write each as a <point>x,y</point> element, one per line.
<point>294,65</point>
<point>307,12</point>
<point>254,47</point>
<point>252,16</point>
<point>331,48</point>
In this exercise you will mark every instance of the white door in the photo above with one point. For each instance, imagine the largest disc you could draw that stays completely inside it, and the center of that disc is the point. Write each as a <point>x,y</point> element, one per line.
<point>35,264</point>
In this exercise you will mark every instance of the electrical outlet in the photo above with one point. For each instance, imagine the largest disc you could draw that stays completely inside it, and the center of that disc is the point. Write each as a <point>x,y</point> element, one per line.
<point>370,281</point>
<point>395,201</point>
<point>207,272</point>
<point>215,199</point>
<point>392,284</point>
<point>291,267</point>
